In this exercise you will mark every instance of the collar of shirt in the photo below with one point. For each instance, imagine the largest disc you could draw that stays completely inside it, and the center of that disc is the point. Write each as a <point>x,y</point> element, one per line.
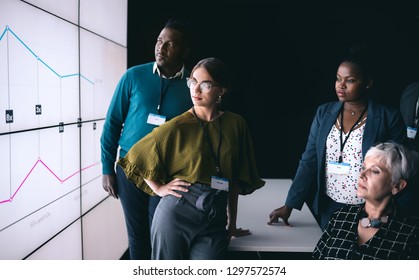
<point>178,74</point>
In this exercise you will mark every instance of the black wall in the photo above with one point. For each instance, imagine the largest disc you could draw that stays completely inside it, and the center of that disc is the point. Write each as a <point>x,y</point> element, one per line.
<point>284,61</point>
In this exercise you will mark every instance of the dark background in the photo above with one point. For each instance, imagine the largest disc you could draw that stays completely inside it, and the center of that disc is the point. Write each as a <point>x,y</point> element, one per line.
<point>284,60</point>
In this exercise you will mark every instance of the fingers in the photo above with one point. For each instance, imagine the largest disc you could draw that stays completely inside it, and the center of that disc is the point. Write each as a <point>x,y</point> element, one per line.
<point>179,182</point>
<point>111,191</point>
<point>174,187</point>
<point>177,188</point>
<point>178,185</point>
<point>109,185</point>
<point>273,217</point>
<point>242,232</point>
<point>239,233</point>
<point>272,220</point>
<point>174,194</point>
<point>286,223</point>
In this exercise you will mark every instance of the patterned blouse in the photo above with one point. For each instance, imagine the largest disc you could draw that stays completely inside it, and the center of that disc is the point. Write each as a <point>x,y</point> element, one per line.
<point>342,187</point>
<point>396,240</point>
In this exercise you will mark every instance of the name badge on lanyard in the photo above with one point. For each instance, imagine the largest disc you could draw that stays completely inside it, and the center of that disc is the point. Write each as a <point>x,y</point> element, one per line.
<point>341,168</point>
<point>155,119</point>
<point>411,132</point>
<point>219,183</point>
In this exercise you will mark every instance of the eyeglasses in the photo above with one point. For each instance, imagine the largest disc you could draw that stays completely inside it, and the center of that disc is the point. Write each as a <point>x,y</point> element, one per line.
<point>204,87</point>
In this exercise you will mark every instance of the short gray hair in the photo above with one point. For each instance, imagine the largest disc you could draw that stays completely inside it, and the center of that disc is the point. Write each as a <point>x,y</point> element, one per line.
<point>397,158</point>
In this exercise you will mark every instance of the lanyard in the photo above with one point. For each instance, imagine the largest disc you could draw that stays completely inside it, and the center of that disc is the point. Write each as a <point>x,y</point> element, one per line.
<point>415,122</point>
<point>342,143</point>
<point>215,157</point>
<point>163,92</point>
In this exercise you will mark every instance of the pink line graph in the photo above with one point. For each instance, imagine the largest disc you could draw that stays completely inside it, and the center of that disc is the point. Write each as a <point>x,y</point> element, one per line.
<point>39,161</point>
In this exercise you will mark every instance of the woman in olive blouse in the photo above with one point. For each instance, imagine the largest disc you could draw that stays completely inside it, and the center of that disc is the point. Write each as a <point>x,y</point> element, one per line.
<point>199,162</point>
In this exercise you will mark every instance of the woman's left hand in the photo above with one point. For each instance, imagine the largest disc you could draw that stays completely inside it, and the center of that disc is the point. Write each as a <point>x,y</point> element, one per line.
<point>238,232</point>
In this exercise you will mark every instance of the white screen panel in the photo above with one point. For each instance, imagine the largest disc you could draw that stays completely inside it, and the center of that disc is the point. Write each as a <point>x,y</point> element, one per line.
<point>56,81</point>
<point>104,18</point>
<point>67,9</point>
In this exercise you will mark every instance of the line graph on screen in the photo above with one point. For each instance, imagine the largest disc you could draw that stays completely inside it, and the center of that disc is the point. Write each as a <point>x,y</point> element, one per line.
<point>59,67</point>
<point>41,134</point>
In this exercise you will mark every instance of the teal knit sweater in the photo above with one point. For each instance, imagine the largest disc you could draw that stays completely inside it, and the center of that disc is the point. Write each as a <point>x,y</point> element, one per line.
<point>136,96</point>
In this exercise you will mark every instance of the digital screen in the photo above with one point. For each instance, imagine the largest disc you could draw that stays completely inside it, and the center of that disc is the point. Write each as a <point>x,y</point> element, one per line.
<point>56,82</point>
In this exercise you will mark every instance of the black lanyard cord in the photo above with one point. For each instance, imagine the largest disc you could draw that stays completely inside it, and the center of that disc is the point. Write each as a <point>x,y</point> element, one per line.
<point>342,143</point>
<point>216,157</point>
<point>415,122</point>
<point>163,92</point>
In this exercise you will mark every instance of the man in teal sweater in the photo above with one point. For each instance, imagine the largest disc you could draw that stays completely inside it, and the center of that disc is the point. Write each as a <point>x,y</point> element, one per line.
<point>146,96</point>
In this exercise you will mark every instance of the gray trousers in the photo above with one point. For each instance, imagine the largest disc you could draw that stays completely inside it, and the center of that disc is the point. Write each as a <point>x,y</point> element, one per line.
<point>191,227</point>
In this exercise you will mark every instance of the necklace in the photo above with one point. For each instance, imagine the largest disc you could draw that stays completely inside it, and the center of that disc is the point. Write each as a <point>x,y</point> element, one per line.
<point>353,113</point>
<point>375,223</point>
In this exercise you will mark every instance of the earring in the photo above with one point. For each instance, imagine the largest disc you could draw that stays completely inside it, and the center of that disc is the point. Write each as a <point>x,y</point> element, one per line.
<point>219,100</point>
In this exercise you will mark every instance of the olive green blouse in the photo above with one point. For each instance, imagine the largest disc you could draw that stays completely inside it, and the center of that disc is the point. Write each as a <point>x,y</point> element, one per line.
<point>179,149</point>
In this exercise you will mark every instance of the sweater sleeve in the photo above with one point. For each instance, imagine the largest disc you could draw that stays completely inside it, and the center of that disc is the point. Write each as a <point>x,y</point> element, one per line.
<point>114,122</point>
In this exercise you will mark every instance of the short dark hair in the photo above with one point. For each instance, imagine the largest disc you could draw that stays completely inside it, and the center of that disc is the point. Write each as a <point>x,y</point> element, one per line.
<point>182,26</point>
<point>358,54</point>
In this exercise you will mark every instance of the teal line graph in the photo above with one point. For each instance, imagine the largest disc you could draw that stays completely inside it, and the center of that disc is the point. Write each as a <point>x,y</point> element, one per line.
<point>9,30</point>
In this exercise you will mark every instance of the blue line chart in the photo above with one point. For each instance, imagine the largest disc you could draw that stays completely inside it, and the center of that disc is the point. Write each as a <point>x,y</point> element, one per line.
<point>9,30</point>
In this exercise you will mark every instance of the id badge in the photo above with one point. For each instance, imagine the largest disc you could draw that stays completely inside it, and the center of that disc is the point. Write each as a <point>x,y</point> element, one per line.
<point>219,183</point>
<point>340,168</point>
<point>155,119</point>
<point>411,132</point>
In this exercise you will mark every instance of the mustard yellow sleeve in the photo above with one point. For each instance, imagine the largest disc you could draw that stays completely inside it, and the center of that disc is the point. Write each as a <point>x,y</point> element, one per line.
<point>143,161</point>
<point>248,174</point>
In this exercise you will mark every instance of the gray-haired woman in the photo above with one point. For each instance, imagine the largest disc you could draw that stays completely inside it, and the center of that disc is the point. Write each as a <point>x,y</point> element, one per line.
<point>376,229</point>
